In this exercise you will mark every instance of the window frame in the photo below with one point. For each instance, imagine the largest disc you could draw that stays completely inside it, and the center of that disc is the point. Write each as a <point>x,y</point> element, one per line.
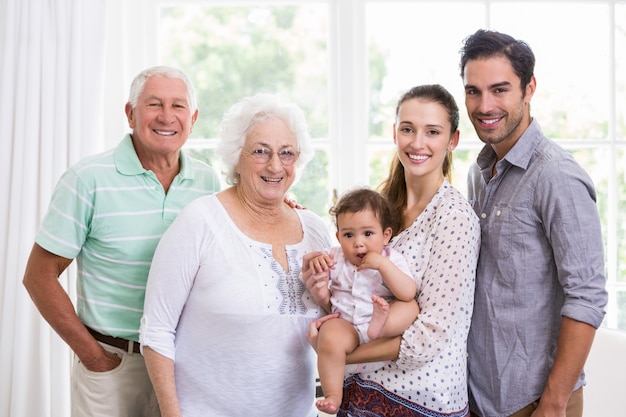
<point>132,31</point>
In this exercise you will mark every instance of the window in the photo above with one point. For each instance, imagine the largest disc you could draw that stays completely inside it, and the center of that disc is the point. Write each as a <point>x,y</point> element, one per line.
<point>347,62</point>
<point>235,51</point>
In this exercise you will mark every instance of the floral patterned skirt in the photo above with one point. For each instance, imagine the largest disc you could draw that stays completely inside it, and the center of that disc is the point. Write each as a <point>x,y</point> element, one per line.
<point>363,398</point>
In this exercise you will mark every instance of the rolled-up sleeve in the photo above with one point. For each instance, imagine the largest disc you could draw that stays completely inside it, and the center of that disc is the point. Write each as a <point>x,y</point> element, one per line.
<point>572,225</point>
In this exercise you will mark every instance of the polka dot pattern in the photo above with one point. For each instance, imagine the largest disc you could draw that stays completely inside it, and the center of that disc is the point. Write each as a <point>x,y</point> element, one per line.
<point>442,249</point>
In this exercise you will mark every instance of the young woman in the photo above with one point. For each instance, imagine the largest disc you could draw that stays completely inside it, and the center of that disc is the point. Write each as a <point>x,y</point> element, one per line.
<point>439,235</point>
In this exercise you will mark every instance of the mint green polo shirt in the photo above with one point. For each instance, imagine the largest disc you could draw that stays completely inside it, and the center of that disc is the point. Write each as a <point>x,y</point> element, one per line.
<point>109,213</point>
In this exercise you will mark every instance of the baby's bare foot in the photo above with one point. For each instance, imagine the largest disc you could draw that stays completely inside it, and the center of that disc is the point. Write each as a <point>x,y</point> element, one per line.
<point>379,317</point>
<point>329,405</point>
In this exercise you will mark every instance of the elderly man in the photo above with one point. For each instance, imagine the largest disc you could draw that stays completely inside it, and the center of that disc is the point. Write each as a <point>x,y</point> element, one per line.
<point>108,212</point>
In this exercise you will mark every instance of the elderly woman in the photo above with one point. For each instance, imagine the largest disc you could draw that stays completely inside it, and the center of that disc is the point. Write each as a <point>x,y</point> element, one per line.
<point>223,331</point>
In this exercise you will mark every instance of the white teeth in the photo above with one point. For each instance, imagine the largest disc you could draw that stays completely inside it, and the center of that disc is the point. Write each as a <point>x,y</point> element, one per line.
<point>418,157</point>
<point>272,180</point>
<point>489,121</point>
<point>161,132</point>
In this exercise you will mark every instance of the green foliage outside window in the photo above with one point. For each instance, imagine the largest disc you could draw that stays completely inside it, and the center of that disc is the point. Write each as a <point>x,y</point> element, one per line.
<point>234,52</point>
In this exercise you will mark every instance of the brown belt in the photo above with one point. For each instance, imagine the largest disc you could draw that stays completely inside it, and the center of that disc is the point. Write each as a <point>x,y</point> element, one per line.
<point>114,341</point>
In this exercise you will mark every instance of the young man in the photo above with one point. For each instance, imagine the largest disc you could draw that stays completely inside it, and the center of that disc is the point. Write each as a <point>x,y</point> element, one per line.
<point>108,212</point>
<point>540,285</point>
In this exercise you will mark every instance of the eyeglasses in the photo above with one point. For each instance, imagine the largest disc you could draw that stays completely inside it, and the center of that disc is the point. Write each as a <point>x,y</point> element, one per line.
<point>264,155</point>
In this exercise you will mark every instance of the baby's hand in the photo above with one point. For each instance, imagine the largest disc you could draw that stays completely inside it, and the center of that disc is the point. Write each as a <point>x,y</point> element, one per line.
<point>372,260</point>
<point>321,263</point>
<point>317,282</point>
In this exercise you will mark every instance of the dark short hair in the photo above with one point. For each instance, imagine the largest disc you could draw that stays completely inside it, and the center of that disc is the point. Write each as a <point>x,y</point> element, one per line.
<point>487,44</point>
<point>360,199</point>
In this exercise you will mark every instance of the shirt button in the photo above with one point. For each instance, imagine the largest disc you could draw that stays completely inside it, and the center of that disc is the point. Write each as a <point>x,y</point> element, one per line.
<point>498,213</point>
<point>483,216</point>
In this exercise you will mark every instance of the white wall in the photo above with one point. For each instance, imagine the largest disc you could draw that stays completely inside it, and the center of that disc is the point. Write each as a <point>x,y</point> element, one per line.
<point>605,393</point>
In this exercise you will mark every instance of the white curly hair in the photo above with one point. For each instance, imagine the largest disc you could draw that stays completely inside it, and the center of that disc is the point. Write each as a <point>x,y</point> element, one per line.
<point>242,116</point>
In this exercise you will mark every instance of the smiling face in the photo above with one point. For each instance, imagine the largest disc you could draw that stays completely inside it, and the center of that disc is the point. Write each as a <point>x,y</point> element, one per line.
<point>359,233</point>
<point>162,119</point>
<point>267,182</point>
<point>423,135</point>
<point>496,104</point>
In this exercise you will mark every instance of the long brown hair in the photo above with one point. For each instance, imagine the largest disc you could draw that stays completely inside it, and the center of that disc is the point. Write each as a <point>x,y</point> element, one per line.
<point>394,187</point>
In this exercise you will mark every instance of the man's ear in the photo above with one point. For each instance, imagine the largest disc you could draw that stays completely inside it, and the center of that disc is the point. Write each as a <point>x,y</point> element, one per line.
<point>194,117</point>
<point>531,87</point>
<point>130,115</point>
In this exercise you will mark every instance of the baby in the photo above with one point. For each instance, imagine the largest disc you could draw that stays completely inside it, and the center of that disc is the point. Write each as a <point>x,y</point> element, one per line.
<point>371,288</point>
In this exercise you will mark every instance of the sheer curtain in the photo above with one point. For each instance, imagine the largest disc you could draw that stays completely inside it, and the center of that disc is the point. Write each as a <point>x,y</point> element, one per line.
<point>51,72</point>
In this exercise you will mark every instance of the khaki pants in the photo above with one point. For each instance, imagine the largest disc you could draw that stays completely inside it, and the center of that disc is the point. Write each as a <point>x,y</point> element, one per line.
<point>125,391</point>
<point>574,406</point>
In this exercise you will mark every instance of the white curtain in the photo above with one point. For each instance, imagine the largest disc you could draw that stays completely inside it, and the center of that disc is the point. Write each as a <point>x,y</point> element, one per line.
<point>51,94</point>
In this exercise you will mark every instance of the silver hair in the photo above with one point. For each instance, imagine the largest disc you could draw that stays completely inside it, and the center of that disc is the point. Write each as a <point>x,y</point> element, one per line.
<point>138,84</point>
<point>242,116</point>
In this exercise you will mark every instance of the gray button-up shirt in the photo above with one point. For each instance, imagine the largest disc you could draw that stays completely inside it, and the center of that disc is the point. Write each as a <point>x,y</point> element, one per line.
<point>541,258</point>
